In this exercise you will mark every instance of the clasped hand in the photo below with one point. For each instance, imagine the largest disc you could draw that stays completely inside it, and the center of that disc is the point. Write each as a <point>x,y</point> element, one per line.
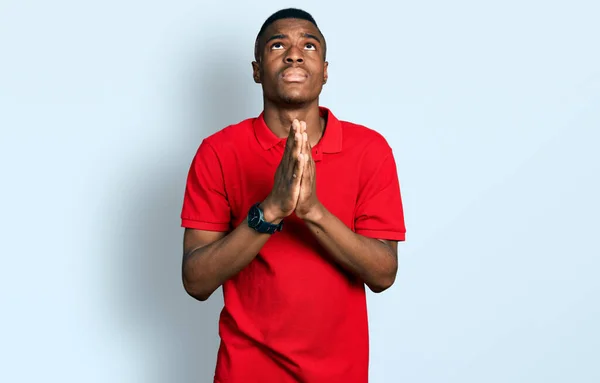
<point>294,189</point>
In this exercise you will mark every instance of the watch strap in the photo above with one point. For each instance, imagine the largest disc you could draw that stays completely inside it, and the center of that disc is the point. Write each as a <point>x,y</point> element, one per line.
<point>263,226</point>
<point>268,227</point>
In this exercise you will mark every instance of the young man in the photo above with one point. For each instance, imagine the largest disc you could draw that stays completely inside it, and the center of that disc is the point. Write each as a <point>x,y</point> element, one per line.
<point>292,212</point>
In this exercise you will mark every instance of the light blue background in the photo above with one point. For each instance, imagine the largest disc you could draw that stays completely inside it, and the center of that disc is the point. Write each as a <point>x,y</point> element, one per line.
<point>493,112</point>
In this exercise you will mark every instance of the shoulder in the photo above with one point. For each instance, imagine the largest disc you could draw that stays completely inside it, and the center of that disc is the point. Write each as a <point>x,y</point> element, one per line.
<point>364,139</point>
<point>224,143</point>
<point>218,150</point>
<point>370,153</point>
<point>230,136</point>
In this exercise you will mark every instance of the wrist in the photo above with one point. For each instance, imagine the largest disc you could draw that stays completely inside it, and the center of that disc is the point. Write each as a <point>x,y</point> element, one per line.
<point>315,214</point>
<point>269,212</point>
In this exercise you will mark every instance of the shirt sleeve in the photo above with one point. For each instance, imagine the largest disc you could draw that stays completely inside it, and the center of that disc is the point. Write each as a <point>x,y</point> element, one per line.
<point>379,211</point>
<point>205,203</point>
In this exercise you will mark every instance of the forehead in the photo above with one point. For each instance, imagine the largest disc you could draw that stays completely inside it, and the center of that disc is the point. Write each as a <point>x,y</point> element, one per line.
<point>291,27</point>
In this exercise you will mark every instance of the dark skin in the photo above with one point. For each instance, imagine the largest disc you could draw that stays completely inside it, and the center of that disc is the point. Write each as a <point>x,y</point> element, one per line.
<point>291,68</point>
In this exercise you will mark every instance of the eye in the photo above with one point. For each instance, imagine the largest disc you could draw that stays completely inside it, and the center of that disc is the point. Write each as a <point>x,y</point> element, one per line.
<point>277,46</point>
<point>310,47</point>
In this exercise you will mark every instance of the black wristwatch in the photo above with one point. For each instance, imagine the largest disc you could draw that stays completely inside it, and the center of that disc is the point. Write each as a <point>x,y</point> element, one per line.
<point>256,220</point>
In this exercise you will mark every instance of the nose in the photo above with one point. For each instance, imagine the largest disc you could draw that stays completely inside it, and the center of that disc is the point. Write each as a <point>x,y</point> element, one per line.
<point>294,55</point>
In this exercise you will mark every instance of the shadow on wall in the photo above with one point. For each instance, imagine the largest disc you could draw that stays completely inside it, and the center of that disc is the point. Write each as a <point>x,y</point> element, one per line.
<point>174,336</point>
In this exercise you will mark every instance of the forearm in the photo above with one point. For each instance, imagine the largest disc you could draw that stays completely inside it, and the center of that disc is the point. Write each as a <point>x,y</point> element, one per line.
<point>370,259</point>
<point>208,267</point>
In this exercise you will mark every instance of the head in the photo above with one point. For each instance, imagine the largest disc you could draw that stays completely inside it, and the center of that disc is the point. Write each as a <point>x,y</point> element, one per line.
<point>290,58</point>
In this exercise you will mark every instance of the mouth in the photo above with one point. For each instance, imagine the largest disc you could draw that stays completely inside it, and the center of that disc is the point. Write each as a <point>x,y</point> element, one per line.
<point>294,75</point>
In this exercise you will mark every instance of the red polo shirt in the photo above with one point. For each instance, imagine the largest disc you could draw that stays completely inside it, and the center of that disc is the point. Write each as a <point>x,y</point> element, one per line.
<point>292,315</point>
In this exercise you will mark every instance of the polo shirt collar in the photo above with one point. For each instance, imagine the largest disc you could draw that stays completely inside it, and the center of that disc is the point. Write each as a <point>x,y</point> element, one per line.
<point>331,142</point>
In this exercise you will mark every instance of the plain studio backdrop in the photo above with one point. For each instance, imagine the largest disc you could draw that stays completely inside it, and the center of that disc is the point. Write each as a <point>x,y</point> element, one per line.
<point>492,110</point>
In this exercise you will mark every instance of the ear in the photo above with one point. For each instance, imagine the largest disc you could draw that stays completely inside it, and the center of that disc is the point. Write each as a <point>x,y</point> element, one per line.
<point>256,72</point>
<point>325,75</point>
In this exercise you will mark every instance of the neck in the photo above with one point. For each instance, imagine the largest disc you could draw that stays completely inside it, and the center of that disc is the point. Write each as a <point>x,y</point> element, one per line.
<point>279,119</point>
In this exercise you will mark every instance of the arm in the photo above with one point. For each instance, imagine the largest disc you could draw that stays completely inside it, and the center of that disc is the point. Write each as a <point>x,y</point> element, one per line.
<point>374,261</point>
<point>212,257</point>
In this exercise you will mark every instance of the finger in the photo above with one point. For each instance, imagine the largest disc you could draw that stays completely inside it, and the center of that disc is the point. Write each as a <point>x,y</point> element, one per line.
<point>298,173</point>
<point>306,174</point>
<point>307,147</point>
<point>304,141</point>
<point>298,144</point>
<point>290,151</point>
<point>290,143</point>
<point>310,174</point>
<point>302,130</point>
<point>296,127</point>
<point>309,168</point>
<point>295,152</point>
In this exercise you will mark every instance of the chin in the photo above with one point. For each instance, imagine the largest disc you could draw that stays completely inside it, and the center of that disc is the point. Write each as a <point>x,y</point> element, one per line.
<point>293,101</point>
<point>293,98</point>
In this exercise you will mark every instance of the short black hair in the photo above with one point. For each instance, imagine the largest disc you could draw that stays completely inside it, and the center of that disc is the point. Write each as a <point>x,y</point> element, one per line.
<point>287,13</point>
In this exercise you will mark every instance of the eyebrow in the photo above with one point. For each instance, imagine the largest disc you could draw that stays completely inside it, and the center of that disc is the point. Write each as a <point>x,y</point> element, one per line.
<point>280,36</point>
<point>275,37</point>
<point>308,35</point>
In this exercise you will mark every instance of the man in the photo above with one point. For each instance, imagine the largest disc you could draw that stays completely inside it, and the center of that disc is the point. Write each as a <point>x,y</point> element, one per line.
<point>292,212</point>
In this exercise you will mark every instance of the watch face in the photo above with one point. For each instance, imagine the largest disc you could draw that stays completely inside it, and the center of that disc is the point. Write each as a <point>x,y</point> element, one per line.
<point>253,217</point>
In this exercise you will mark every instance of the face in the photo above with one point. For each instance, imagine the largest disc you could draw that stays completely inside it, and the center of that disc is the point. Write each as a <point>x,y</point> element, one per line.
<point>291,65</point>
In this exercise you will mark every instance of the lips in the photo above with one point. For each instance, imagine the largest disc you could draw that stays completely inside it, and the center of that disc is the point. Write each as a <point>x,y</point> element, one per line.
<point>294,75</point>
